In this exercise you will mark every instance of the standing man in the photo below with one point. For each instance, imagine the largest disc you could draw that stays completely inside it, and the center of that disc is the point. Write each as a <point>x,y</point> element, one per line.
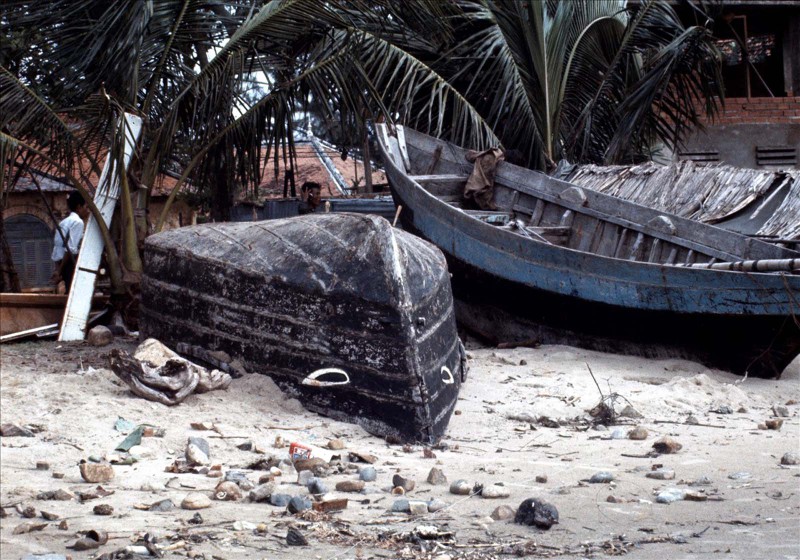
<point>67,241</point>
<point>310,197</point>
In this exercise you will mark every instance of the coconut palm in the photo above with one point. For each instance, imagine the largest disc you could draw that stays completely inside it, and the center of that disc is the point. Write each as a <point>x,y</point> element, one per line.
<point>587,80</point>
<point>219,83</point>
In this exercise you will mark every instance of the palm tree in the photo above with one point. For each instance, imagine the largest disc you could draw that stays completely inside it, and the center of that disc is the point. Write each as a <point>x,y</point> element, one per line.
<point>218,84</point>
<point>587,80</point>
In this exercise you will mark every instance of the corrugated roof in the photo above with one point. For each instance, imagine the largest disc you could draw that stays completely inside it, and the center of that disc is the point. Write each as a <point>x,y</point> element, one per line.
<point>311,168</point>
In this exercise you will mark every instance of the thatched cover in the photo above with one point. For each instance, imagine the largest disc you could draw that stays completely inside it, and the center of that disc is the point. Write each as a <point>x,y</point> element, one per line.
<point>710,193</point>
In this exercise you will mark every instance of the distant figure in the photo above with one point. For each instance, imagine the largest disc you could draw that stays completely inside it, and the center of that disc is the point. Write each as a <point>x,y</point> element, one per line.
<point>67,240</point>
<point>310,197</point>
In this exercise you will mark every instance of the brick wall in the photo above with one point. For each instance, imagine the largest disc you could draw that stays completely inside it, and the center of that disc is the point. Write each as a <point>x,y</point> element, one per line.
<point>760,110</point>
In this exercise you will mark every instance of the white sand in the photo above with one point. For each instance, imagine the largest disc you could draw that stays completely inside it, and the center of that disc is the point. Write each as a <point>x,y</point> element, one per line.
<point>68,389</point>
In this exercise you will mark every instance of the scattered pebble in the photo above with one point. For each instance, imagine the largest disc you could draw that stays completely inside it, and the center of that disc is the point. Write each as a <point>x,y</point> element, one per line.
<point>780,410</point>
<point>741,475</point>
<point>162,505</point>
<point>541,478</point>
<point>417,507</point>
<point>196,500</point>
<point>368,474</point>
<point>244,526</point>
<point>638,433</point>
<point>723,409</point>
<point>461,487</point>
<point>401,506</point>
<point>96,472</point>
<point>29,512</point>
<point>670,495</point>
<point>790,458</point>
<point>60,495</point>
<point>618,433</point>
<point>295,538</point>
<point>436,477</point>
<point>667,445</point>
<point>58,475</point>
<point>702,481</point>
<point>774,424</point>
<point>502,513</point>
<point>316,465</point>
<point>630,412</point>
<point>661,474</point>
<point>227,491</point>
<point>494,491</point>
<point>28,527</point>
<point>103,509</point>
<point>280,500</point>
<point>197,452</point>
<point>695,497</point>
<point>298,504</point>
<point>50,516</point>
<point>42,466</point>
<point>336,444</point>
<point>262,492</point>
<point>350,486</point>
<point>317,487</point>
<point>435,505</point>
<point>99,336</point>
<point>539,513</point>
<point>602,477</point>
<point>405,483</point>
<point>240,479</point>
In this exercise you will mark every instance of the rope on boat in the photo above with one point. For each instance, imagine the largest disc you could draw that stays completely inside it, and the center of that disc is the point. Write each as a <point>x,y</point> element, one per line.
<point>763,265</point>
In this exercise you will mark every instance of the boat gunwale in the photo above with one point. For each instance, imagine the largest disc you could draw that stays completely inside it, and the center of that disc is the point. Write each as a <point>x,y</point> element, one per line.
<point>506,168</point>
<point>664,277</point>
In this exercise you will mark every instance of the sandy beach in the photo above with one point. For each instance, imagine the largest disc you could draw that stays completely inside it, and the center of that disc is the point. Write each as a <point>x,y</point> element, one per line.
<point>522,421</point>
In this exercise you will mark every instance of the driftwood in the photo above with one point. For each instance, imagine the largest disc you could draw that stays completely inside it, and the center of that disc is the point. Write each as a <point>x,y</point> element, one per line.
<point>158,374</point>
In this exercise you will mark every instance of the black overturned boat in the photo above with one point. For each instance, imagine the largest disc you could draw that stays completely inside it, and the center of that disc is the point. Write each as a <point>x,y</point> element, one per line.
<point>552,262</point>
<point>346,313</point>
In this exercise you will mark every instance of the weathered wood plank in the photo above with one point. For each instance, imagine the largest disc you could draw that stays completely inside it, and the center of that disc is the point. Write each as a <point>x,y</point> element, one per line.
<point>79,302</point>
<point>424,179</point>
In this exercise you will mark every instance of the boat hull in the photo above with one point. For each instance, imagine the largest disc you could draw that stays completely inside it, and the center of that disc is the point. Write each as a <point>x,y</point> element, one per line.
<point>299,314</point>
<point>742,322</point>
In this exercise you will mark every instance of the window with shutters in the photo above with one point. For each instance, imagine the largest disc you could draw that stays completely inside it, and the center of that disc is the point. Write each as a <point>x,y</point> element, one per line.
<point>31,243</point>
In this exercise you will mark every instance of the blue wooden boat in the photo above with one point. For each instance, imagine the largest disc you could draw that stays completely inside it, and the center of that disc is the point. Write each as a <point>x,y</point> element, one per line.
<point>557,263</point>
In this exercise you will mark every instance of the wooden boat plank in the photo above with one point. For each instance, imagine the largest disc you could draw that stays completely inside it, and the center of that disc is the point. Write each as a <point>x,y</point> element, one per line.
<point>629,225</point>
<point>424,179</point>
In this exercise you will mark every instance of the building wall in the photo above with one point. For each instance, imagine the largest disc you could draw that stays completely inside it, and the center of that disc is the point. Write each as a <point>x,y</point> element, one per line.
<point>760,110</point>
<point>31,203</point>
<point>760,132</point>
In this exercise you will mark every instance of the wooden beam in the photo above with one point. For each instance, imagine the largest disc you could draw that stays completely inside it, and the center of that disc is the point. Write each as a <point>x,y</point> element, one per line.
<point>106,196</point>
<point>423,179</point>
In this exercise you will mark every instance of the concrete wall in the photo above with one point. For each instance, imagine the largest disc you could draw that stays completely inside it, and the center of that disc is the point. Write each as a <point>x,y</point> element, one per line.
<point>746,125</point>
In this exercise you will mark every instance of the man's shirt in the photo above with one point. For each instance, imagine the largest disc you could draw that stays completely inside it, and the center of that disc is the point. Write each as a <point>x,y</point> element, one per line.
<point>72,230</point>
